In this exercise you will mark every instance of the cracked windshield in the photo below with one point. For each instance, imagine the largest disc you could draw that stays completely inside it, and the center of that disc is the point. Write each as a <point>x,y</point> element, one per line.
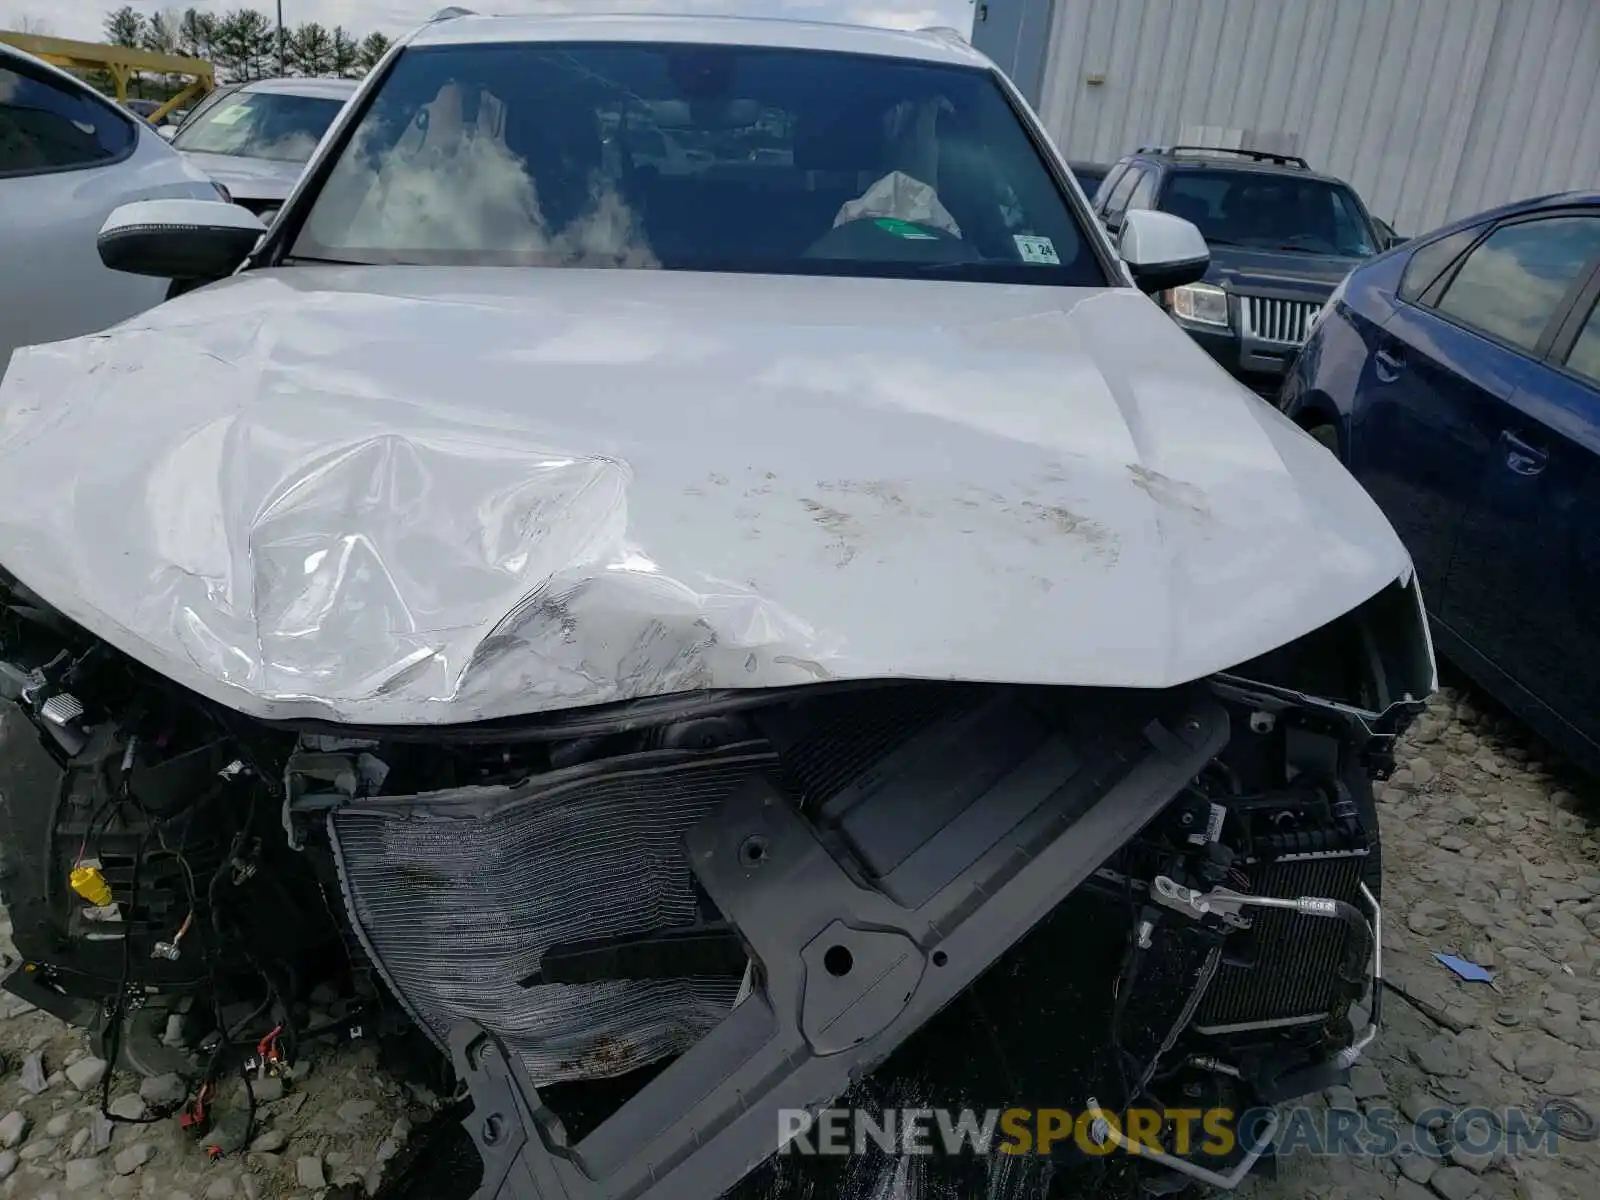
<point>697,158</point>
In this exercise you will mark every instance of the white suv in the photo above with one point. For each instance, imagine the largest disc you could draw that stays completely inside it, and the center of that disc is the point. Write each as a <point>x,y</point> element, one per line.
<point>705,608</point>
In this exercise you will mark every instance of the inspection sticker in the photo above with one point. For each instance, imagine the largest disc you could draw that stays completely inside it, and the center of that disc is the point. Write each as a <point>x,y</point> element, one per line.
<point>231,115</point>
<point>1036,249</point>
<point>905,229</point>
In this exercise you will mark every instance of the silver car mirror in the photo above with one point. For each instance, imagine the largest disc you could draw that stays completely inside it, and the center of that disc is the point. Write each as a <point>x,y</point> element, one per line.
<point>1162,251</point>
<point>179,239</point>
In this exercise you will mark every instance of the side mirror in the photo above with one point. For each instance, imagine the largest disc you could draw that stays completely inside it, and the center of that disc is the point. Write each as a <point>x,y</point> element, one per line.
<point>1162,251</point>
<point>179,239</point>
<point>167,131</point>
<point>1388,239</point>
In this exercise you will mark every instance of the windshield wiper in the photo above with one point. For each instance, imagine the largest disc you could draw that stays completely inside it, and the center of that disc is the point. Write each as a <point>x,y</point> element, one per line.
<point>943,268</point>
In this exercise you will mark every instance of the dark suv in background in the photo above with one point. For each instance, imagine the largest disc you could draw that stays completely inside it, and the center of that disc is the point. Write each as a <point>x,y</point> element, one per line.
<point>1281,235</point>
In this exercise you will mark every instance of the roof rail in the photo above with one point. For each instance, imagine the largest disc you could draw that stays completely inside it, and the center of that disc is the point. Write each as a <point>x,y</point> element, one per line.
<point>451,13</point>
<point>1272,156</point>
<point>945,32</point>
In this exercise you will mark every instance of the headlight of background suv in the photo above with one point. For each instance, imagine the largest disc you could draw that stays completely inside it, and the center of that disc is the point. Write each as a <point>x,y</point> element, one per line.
<point>1200,303</point>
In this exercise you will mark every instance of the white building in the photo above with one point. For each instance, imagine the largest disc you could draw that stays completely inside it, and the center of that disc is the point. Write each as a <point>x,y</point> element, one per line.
<point>1432,109</point>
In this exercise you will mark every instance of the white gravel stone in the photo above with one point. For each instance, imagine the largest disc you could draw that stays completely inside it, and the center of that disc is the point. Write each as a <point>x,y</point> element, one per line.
<point>100,1132</point>
<point>13,1128</point>
<point>135,1156</point>
<point>353,1112</point>
<point>1442,1056</point>
<point>86,1073</point>
<point>33,1079</point>
<point>266,1091</point>
<point>1367,1082</point>
<point>308,1172</point>
<point>161,1090</point>
<point>128,1106</point>
<point>1455,1183</point>
<point>269,1142</point>
<point>84,1174</point>
<point>1417,1167</point>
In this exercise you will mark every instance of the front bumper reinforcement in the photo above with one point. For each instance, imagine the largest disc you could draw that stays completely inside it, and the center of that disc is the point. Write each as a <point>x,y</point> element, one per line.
<point>845,974</point>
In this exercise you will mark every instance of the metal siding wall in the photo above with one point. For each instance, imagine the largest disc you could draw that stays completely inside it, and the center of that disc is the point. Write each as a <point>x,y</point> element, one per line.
<point>1433,109</point>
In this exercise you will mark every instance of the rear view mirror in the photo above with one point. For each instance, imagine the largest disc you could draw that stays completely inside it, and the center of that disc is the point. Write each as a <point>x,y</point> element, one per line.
<point>179,239</point>
<point>167,131</point>
<point>1162,251</point>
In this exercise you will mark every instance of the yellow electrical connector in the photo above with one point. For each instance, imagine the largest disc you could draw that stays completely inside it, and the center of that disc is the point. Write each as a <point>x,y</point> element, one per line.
<point>91,885</point>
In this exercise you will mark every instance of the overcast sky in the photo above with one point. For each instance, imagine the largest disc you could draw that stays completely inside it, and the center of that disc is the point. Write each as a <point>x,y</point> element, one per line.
<point>84,18</point>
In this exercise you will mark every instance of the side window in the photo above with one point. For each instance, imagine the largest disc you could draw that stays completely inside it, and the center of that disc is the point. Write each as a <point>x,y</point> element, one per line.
<point>1512,284</point>
<point>1584,357</point>
<point>1145,193</point>
<point>1117,202</point>
<point>48,126</point>
<point>1433,260</point>
<point>1107,186</point>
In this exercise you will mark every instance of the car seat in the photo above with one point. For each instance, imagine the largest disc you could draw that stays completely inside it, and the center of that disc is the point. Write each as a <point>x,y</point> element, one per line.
<point>561,149</point>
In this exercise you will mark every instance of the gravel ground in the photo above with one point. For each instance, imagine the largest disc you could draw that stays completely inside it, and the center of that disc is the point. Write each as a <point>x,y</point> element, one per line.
<point>1490,854</point>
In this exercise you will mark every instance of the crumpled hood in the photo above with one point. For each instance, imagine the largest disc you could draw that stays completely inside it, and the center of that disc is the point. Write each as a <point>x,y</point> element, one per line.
<point>414,495</point>
<point>255,179</point>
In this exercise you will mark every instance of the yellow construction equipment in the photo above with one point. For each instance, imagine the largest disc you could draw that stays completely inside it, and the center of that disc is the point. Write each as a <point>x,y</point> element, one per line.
<point>119,62</point>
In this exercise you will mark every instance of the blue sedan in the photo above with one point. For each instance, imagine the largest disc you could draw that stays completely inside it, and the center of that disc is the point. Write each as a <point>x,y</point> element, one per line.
<point>1458,377</point>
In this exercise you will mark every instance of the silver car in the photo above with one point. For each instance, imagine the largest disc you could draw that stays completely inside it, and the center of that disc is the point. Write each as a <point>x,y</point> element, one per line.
<point>68,156</point>
<point>255,138</point>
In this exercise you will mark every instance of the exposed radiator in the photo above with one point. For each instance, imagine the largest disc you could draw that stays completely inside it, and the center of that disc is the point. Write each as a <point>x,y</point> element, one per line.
<point>456,898</point>
<point>1294,979</point>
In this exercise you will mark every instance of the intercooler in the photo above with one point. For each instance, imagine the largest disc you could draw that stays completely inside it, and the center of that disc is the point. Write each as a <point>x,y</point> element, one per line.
<point>458,896</point>
<point>456,900</point>
<point>1289,973</point>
